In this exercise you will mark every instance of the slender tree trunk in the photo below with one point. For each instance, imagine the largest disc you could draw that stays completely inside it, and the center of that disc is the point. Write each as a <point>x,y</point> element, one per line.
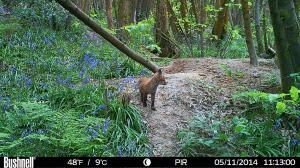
<point>258,28</point>
<point>184,15</point>
<point>175,26</point>
<point>162,30</point>
<point>68,5</point>
<point>133,11</point>
<point>265,32</point>
<point>219,28</point>
<point>123,18</point>
<point>248,32</point>
<point>199,13</point>
<point>109,13</point>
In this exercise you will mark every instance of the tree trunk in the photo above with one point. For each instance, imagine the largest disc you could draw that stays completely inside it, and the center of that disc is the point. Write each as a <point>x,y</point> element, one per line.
<point>184,15</point>
<point>265,32</point>
<point>219,28</point>
<point>175,26</point>
<point>248,33</point>
<point>199,13</point>
<point>109,13</point>
<point>123,18</point>
<point>162,30</point>
<point>287,37</point>
<point>133,11</point>
<point>258,28</point>
<point>68,5</point>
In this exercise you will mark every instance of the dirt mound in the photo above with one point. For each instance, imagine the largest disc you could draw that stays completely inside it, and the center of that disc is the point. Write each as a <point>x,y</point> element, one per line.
<point>198,86</point>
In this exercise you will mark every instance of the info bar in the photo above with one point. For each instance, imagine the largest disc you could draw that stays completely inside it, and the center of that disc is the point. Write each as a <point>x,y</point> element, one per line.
<point>74,162</point>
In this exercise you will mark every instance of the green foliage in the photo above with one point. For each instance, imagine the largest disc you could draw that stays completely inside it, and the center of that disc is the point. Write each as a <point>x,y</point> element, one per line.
<point>296,77</point>
<point>269,126</point>
<point>52,100</point>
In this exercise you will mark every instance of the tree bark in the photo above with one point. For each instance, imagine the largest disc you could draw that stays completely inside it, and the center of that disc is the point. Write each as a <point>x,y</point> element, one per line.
<point>199,13</point>
<point>123,18</point>
<point>265,33</point>
<point>162,30</point>
<point>184,15</point>
<point>248,33</point>
<point>68,5</point>
<point>219,28</point>
<point>260,45</point>
<point>175,26</point>
<point>287,37</point>
<point>109,13</point>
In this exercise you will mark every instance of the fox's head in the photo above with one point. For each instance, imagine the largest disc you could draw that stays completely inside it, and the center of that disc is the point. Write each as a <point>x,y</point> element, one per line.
<point>161,78</point>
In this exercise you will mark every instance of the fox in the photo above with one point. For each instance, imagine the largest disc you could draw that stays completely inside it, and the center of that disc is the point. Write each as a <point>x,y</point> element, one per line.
<point>149,86</point>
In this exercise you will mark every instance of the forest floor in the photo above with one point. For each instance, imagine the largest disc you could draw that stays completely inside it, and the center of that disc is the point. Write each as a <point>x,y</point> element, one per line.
<point>197,86</point>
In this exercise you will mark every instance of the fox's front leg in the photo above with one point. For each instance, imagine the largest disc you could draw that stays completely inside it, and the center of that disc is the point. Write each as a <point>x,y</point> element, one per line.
<point>144,99</point>
<point>152,101</point>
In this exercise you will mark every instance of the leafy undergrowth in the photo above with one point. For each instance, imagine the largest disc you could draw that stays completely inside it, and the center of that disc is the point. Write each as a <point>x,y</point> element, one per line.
<point>267,126</point>
<point>53,101</point>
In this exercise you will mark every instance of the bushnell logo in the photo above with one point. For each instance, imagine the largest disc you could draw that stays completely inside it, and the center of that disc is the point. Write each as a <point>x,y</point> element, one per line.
<point>18,162</point>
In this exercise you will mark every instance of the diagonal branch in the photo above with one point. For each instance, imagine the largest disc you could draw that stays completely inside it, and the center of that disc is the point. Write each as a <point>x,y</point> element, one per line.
<point>72,8</point>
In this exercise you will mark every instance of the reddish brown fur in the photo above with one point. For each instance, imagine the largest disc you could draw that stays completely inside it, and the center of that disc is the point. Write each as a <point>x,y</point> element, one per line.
<point>149,86</point>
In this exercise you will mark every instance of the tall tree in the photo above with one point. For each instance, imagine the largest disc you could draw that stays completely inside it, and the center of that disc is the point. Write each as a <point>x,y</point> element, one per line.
<point>248,33</point>
<point>123,17</point>
<point>264,27</point>
<point>109,13</point>
<point>258,28</point>
<point>184,10</point>
<point>144,8</point>
<point>162,33</point>
<point>287,37</point>
<point>72,8</point>
<point>198,8</point>
<point>175,26</point>
<point>219,28</point>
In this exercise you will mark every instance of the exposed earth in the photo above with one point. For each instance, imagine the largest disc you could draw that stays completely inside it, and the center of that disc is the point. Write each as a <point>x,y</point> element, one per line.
<point>197,87</point>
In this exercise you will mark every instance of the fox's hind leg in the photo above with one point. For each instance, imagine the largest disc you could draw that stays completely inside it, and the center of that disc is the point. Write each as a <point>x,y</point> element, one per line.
<point>152,101</point>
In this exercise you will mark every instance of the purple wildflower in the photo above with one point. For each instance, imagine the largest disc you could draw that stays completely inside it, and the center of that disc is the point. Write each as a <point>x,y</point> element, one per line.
<point>105,125</point>
<point>81,116</point>
<point>294,142</point>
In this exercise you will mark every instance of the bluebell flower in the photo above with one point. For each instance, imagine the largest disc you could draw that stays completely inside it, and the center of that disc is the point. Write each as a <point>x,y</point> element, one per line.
<point>86,80</point>
<point>13,69</point>
<point>95,112</point>
<point>119,151</point>
<point>86,58</point>
<point>94,134</point>
<point>142,72</point>
<point>81,116</point>
<point>101,107</point>
<point>1,98</point>
<point>105,125</point>
<point>44,85</point>
<point>93,63</point>
<point>97,126</point>
<point>81,72</point>
<point>294,142</point>
<point>85,36</point>
<point>40,131</point>
<point>28,82</point>
<point>277,124</point>
<point>90,129</point>
<point>298,118</point>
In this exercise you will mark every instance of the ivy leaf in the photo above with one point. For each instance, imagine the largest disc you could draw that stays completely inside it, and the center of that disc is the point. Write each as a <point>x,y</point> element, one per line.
<point>294,93</point>
<point>273,97</point>
<point>280,107</point>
